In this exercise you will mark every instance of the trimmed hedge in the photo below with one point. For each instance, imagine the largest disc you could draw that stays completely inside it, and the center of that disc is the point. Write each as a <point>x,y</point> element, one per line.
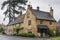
<point>27,35</point>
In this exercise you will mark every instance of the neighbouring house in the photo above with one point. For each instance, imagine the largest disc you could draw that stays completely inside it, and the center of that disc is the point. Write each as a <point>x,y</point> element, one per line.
<point>34,21</point>
<point>58,28</point>
<point>2,25</point>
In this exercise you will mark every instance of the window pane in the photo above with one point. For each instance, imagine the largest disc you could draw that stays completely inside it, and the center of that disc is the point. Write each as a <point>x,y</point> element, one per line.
<point>50,23</point>
<point>29,22</point>
<point>29,31</point>
<point>41,22</point>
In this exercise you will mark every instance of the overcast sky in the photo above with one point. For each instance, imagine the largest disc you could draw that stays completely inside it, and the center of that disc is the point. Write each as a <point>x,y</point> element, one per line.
<point>43,4</point>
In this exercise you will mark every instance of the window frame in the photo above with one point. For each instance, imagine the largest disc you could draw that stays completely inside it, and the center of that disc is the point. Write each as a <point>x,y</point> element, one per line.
<point>50,22</point>
<point>29,22</point>
<point>41,21</point>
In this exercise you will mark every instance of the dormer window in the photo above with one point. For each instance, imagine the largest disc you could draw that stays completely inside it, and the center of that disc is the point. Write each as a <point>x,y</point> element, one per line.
<point>50,23</point>
<point>41,21</point>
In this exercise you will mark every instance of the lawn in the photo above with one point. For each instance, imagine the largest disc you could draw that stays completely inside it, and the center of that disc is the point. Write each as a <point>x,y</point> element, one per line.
<point>57,38</point>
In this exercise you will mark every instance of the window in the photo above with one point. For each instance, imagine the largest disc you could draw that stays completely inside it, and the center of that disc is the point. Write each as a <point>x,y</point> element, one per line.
<point>28,15</point>
<point>41,22</point>
<point>50,23</point>
<point>29,31</point>
<point>29,22</point>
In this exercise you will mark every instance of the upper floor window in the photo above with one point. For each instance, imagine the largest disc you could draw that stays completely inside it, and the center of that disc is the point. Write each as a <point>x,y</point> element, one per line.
<point>29,22</point>
<point>27,15</point>
<point>50,23</point>
<point>41,21</point>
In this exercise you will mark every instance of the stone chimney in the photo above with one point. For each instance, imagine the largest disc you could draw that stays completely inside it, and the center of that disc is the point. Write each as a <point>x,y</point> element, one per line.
<point>38,8</point>
<point>51,11</point>
<point>29,6</point>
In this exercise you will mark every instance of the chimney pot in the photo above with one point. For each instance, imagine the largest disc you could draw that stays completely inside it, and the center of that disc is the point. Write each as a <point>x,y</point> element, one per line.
<point>51,9</point>
<point>37,7</point>
<point>28,6</point>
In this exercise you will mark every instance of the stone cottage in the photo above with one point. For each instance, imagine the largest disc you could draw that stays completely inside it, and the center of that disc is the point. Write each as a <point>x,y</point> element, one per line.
<point>34,21</point>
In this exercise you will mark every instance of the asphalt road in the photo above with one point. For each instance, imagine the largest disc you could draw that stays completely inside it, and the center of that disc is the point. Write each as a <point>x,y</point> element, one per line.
<point>4,37</point>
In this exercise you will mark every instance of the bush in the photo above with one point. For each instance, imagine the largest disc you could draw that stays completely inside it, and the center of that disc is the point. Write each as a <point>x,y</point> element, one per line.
<point>1,29</point>
<point>3,32</point>
<point>51,32</point>
<point>27,35</point>
<point>17,29</point>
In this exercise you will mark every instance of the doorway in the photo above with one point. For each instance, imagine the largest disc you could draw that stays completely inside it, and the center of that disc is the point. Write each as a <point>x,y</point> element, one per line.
<point>42,29</point>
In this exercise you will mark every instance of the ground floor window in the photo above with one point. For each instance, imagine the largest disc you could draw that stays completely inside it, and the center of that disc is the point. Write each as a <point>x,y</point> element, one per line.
<point>30,31</point>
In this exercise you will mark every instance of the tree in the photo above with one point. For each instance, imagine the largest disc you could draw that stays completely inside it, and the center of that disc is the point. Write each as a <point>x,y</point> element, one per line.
<point>2,30</point>
<point>59,20</point>
<point>17,29</point>
<point>11,11</point>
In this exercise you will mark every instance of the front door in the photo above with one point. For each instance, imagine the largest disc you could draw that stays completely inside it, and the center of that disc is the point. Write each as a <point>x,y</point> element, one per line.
<point>42,29</point>
<point>43,32</point>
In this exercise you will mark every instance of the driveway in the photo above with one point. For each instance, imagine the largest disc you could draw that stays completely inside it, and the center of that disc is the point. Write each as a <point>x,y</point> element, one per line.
<point>4,37</point>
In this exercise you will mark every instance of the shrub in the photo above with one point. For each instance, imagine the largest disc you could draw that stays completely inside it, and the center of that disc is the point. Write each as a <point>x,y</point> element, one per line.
<point>17,29</point>
<point>51,32</point>
<point>26,35</point>
<point>2,30</point>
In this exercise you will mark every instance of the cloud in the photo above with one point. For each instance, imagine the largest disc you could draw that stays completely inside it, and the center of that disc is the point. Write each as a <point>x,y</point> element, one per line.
<point>43,4</point>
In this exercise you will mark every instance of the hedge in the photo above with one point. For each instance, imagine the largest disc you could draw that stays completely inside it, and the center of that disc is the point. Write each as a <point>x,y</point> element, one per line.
<point>25,35</point>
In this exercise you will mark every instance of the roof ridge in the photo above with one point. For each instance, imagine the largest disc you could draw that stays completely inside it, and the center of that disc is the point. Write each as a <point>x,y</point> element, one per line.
<point>40,10</point>
<point>42,15</point>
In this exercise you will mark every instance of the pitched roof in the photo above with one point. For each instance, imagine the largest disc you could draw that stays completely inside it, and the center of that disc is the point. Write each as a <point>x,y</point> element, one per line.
<point>42,15</point>
<point>38,14</point>
<point>19,19</point>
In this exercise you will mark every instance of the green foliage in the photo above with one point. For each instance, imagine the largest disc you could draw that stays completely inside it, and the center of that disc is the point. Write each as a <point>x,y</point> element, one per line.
<point>59,20</point>
<point>17,29</point>
<point>56,38</point>
<point>11,8</point>
<point>2,30</point>
<point>51,32</point>
<point>26,35</point>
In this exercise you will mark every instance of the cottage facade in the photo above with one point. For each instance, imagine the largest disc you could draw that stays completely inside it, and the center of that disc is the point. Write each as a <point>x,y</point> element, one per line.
<point>35,21</point>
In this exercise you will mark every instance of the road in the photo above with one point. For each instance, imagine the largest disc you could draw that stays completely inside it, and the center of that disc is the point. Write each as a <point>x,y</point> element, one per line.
<point>4,37</point>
